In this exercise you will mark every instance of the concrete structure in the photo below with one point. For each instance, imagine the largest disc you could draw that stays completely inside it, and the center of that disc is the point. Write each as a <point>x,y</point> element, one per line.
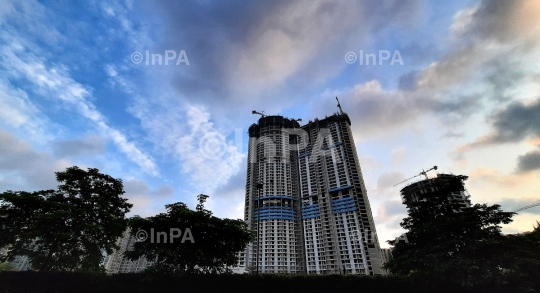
<point>274,207</point>
<point>117,263</point>
<point>315,214</point>
<point>386,255</point>
<point>411,192</point>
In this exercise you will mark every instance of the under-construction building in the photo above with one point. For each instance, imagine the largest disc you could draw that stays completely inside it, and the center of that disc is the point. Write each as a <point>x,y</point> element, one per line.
<point>306,195</point>
<point>273,206</point>
<point>459,195</point>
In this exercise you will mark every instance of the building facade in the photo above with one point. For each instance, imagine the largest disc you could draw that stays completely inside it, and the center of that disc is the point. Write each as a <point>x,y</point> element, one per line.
<point>461,196</point>
<point>117,263</point>
<point>386,256</point>
<point>307,183</point>
<point>273,205</point>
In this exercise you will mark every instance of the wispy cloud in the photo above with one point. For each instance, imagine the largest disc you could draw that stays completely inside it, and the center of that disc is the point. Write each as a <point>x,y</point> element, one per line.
<point>178,130</point>
<point>55,83</point>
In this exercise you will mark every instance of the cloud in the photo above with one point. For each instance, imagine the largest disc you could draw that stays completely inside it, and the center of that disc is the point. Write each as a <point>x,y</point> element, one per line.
<point>390,209</point>
<point>517,122</point>
<point>228,199</point>
<point>389,215</point>
<point>385,185</point>
<point>451,134</point>
<point>473,72</point>
<point>398,155</point>
<point>492,176</point>
<point>262,53</point>
<point>55,83</point>
<point>144,199</point>
<point>369,163</point>
<point>385,112</point>
<point>73,148</point>
<point>529,162</point>
<point>504,20</point>
<point>388,180</point>
<point>138,187</point>
<point>512,204</point>
<point>182,131</point>
<point>17,111</point>
<point>24,168</point>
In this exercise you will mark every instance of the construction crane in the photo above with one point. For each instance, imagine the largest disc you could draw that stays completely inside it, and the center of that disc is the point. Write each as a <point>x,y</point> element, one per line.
<point>532,205</point>
<point>255,112</point>
<point>420,174</point>
<point>339,106</point>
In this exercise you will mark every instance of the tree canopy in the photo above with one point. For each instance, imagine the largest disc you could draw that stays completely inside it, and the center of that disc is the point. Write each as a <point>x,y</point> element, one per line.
<point>212,247</point>
<point>65,229</point>
<point>449,241</point>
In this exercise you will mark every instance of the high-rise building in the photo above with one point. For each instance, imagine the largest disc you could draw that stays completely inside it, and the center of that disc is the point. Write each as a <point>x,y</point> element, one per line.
<point>307,184</point>
<point>118,263</point>
<point>386,256</point>
<point>273,206</point>
<point>460,195</point>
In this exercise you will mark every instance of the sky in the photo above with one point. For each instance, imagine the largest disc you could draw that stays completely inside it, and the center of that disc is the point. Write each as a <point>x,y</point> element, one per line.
<point>160,94</point>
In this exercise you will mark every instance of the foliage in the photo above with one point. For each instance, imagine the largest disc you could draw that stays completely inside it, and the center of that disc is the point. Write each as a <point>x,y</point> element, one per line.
<point>251,270</point>
<point>215,244</point>
<point>67,282</point>
<point>6,266</point>
<point>68,228</point>
<point>447,241</point>
<point>519,257</point>
<point>201,198</point>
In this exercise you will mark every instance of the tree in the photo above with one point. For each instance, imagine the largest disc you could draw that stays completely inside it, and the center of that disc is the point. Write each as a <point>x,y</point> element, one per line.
<point>519,256</point>
<point>6,266</point>
<point>68,228</point>
<point>186,241</point>
<point>448,241</point>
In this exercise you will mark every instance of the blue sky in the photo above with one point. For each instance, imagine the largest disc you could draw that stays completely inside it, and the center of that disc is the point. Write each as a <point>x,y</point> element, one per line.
<point>465,99</point>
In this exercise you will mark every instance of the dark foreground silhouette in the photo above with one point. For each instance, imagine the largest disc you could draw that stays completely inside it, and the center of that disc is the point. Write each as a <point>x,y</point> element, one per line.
<point>64,282</point>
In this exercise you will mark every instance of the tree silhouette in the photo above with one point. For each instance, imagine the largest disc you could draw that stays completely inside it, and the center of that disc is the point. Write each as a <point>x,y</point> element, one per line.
<point>215,244</point>
<point>447,241</point>
<point>68,228</point>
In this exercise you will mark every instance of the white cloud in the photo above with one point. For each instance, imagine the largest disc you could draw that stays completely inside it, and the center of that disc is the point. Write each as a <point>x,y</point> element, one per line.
<point>398,155</point>
<point>56,84</point>
<point>463,19</point>
<point>17,111</point>
<point>178,130</point>
<point>146,202</point>
<point>110,70</point>
<point>24,168</point>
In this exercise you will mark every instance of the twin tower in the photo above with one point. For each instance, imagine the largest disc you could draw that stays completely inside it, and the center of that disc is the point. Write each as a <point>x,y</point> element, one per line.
<point>306,198</point>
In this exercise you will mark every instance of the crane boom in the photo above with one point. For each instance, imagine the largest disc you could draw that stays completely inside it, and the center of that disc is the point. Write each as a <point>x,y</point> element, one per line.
<point>260,113</point>
<point>532,205</point>
<point>420,174</point>
<point>339,106</point>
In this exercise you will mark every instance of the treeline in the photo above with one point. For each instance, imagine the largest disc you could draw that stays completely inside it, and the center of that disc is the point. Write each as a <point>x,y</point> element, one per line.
<point>58,282</point>
<point>73,227</point>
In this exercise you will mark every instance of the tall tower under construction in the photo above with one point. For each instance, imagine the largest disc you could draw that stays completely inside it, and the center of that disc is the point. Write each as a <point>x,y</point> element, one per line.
<point>306,196</point>
<point>273,206</point>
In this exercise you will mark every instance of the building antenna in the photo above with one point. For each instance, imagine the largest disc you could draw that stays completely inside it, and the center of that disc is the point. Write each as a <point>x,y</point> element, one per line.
<point>339,106</point>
